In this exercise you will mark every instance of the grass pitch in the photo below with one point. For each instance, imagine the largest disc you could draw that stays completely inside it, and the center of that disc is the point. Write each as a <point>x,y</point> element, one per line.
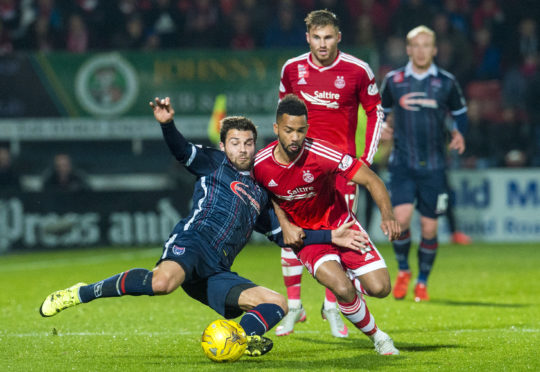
<point>484,315</point>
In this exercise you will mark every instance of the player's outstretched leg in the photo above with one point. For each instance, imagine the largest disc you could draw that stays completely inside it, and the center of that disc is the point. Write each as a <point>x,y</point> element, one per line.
<point>358,313</point>
<point>60,300</point>
<point>134,282</point>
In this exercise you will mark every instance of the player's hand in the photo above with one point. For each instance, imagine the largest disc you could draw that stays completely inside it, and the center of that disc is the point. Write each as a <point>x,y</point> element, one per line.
<point>458,142</point>
<point>391,228</point>
<point>346,237</point>
<point>293,236</point>
<point>163,111</point>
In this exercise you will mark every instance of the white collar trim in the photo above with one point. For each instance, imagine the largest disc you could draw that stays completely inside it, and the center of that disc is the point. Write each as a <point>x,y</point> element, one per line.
<point>432,70</point>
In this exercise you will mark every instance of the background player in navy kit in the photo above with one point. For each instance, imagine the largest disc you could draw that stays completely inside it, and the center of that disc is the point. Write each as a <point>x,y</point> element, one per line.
<point>203,246</point>
<point>420,95</point>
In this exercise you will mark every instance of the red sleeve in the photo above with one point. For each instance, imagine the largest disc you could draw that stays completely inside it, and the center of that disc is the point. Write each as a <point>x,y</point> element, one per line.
<point>285,84</point>
<point>370,99</point>
<point>349,166</point>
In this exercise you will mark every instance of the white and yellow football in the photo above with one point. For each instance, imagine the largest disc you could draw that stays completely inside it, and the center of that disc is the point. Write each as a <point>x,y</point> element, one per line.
<point>224,341</point>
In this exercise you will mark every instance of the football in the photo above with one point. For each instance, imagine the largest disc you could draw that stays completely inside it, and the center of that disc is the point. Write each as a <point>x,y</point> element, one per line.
<point>224,341</point>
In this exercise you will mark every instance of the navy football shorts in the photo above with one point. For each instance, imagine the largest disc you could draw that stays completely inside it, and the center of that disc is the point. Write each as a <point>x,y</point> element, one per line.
<point>207,280</point>
<point>427,187</point>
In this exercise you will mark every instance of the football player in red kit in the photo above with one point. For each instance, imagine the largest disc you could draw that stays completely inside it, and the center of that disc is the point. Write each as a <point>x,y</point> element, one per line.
<point>301,173</point>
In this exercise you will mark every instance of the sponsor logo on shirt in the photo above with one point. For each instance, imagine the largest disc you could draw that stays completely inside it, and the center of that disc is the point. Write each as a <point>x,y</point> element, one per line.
<point>308,176</point>
<point>323,98</point>
<point>272,183</point>
<point>415,100</point>
<point>304,192</point>
<point>239,189</point>
<point>340,82</point>
<point>436,82</point>
<point>345,162</point>
<point>372,89</point>
<point>302,81</point>
<point>177,250</point>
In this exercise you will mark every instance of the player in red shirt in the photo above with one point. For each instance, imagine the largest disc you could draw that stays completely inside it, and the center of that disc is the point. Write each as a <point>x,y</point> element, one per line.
<point>301,173</point>
<point>333,85</point>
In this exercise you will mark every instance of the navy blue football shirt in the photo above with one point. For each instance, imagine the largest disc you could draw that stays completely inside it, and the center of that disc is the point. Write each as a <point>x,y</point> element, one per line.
<point>420,105</point>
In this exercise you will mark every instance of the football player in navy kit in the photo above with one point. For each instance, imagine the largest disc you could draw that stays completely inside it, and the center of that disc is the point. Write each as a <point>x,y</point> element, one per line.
<point>420,96</point>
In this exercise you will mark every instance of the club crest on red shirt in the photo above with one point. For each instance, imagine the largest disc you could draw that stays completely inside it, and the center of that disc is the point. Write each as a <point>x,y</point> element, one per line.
<point>340,82</point>
<point>307,176</point>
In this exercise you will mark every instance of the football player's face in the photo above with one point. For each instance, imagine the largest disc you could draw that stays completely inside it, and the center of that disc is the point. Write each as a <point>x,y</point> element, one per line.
<point>323,43</point>
<point>239,147</point>
<point>291,131</point>
<point>421,50</point>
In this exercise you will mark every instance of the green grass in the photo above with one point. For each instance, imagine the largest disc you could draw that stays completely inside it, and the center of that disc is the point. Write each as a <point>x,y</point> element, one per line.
<point>484,315</point>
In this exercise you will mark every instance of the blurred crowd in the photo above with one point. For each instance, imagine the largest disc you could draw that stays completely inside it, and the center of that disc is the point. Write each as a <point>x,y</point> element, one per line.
<point>491,46</point>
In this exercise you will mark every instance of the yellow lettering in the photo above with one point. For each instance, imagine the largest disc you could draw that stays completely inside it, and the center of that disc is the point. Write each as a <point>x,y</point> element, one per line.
<point>218,68</point>
<point>239,68</point>
<point>185,69</point>
<point>162,71</point>
<point>260,68</point>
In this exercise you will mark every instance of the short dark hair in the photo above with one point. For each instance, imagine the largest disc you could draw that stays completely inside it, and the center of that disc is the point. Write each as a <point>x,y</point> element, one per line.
<point>291,105</point>
<point>321,18</point>
<point>238,123</point>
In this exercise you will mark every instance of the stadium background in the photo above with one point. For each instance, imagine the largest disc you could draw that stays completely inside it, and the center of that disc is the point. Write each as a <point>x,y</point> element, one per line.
<point>76,78</point>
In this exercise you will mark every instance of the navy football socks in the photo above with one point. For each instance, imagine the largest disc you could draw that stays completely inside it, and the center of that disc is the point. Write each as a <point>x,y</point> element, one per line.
<point>134,282</point>
<point>402,245</point>
<point>261,318</point>
<point>426,256</point>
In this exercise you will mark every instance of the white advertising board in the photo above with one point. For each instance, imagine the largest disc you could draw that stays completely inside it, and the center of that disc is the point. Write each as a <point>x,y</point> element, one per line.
<point>494,205</point>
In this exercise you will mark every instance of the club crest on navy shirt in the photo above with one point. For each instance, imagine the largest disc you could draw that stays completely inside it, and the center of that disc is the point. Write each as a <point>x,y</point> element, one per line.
<point>177,250</point>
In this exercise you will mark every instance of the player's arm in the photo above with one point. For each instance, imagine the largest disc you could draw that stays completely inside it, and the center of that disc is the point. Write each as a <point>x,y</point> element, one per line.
<point>369,98</point>
<point>343,236</point>
<point>197,161</point>
<point>293,236</point>
<point>458,110</point>
<point>367,178</point>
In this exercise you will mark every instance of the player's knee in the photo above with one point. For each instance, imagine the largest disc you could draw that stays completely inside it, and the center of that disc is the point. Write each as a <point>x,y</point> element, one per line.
<point>161,285</point>
<point>380,289</point>
<point>344,291</point>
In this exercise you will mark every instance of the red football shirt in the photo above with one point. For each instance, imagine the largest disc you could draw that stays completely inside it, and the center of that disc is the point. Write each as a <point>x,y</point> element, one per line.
<point>305,189</point>
<point>332,95</point>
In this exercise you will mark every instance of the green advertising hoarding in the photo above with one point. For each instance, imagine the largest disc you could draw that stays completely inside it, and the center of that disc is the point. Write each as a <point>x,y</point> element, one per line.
<point>121,84</point>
